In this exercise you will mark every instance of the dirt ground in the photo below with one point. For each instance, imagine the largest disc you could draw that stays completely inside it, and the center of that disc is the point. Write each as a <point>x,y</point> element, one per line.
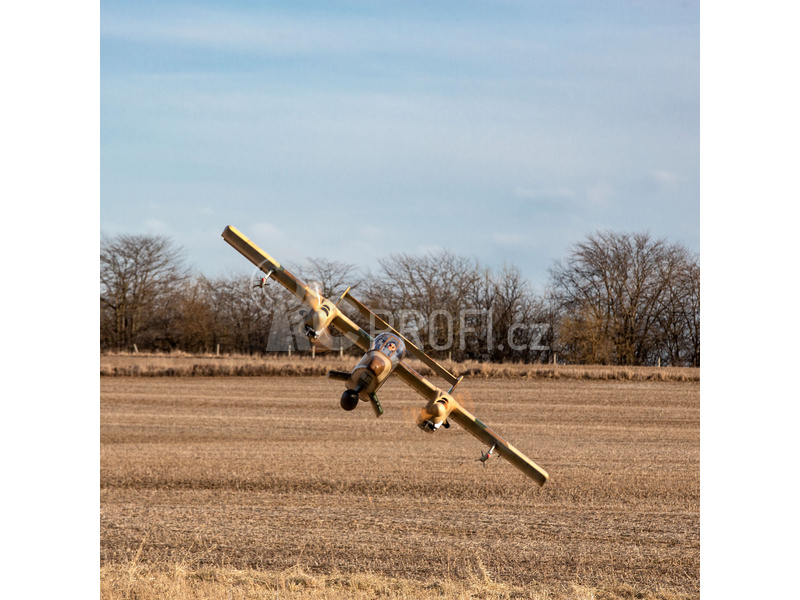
<point>269,473</point>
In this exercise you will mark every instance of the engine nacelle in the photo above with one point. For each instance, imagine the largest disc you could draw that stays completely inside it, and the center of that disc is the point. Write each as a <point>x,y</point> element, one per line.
<point>318,320</point>
<point>435,414</point>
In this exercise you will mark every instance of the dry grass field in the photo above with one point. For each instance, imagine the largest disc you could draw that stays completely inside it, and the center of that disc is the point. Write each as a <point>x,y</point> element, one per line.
<point>179,364</point>
<point>262,487</point>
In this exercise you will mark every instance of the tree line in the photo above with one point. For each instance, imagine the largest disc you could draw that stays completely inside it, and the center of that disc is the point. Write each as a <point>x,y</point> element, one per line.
<point>615,298</point>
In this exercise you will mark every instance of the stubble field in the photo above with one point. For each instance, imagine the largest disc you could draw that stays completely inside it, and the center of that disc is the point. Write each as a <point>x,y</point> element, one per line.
<point>262,487</point>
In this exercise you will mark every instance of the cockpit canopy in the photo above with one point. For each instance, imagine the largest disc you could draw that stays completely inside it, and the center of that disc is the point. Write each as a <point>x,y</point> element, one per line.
<point>391,345</point>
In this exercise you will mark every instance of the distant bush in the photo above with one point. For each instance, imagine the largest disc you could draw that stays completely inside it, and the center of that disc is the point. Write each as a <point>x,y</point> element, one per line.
<point>185,365</point>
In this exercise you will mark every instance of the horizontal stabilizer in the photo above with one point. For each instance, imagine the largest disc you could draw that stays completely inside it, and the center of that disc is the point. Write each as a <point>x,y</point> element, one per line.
<point>343,376</point>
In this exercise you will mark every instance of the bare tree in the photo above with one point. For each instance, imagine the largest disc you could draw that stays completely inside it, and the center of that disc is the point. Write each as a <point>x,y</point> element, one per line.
<point>612,292</point>
<point>140,277</point>
<point>332,276</point>
<point>197,321</point>
<point>679,318</point>
<point>615,299</point>
<point>424,297</point>
<point>458,308</point>
<point>242,313</point>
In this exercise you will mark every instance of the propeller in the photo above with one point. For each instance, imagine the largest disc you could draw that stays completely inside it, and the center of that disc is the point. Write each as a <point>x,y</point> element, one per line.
<point>324,342</point>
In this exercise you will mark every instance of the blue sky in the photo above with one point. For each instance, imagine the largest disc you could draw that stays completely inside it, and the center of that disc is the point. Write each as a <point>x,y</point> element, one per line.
<point>534,121</point>
<point>502,130</point>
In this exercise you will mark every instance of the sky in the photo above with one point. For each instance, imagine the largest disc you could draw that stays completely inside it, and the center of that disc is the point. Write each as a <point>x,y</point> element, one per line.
<point>507,130</point>
<point>503,130</point>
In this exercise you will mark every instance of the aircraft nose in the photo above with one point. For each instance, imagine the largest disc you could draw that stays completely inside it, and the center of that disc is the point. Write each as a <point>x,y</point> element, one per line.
<point>437,410</point>
<point>376,365</point>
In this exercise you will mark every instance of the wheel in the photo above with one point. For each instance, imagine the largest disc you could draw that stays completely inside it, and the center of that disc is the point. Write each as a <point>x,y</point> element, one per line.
<point>349,400</point>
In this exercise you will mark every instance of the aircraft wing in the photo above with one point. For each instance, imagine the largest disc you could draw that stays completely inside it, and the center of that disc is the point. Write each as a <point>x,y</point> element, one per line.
<point>417,382</point>
<point>475,426</point>
<point>468,421</point>
<point>351,331</point>
<point>268,265</point>
<point>301,291</point>
<point>363,340</point>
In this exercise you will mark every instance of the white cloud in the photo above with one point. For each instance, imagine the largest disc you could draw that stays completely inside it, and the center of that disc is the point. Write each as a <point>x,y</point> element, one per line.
<point>556,193</point>
<point>155,225</point>
<point>599,194</point>
<point>396,109</point>
<point>665,177</point>
<point>282,34</point>
<point>510,239</point>
<point>275,242</point>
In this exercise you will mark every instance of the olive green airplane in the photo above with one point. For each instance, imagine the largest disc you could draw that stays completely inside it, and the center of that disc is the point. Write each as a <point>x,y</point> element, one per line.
<point>383,356</point>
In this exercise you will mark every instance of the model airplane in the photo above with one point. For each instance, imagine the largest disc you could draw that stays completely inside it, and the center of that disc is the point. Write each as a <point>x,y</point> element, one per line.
<point>383,356</point>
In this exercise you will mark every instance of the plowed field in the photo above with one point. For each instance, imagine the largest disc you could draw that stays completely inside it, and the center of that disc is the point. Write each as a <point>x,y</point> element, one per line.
<point>268,473</point>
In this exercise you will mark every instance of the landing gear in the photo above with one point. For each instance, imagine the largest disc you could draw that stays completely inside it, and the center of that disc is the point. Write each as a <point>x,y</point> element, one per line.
<point>349,399</point>
<point>430,426</point>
